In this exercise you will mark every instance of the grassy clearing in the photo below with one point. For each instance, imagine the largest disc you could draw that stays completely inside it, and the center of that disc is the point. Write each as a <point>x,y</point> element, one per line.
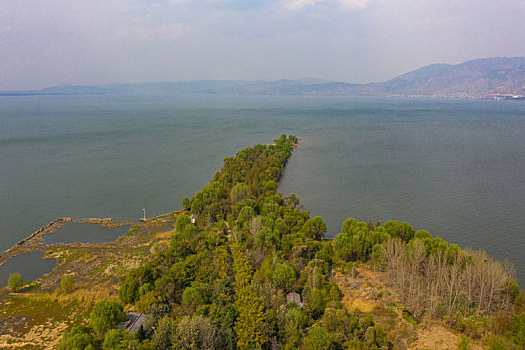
<point>367,292</point>
<point>37,321</point>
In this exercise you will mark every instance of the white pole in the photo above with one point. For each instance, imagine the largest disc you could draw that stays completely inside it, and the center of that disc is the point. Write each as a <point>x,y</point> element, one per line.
<point>144,210</point>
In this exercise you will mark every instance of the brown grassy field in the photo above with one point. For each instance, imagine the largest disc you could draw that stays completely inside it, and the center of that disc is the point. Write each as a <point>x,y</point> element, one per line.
<point>38,316</point>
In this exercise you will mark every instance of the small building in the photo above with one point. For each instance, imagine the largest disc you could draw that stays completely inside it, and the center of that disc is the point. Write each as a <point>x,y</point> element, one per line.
<point>294,297</point>
<point>133,322</point>
<point>193,217</point>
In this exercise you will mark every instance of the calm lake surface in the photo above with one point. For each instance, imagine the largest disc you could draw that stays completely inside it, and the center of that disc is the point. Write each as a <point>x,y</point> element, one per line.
<point>453,167</point>
<point>85,233</point>
<point>30,266</point>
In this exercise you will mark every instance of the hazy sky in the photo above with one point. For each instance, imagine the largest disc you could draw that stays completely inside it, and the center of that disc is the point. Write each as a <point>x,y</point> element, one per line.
<point>55,42</point>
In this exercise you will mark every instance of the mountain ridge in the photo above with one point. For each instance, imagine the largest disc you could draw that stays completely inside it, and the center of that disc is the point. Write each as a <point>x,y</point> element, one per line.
<point>493,77</point>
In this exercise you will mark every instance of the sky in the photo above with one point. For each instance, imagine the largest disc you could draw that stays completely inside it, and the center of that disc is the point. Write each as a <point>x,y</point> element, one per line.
<point>85,42</point>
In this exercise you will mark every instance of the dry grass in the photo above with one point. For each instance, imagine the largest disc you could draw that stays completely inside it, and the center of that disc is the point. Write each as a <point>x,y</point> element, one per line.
<point>164,235</point>
<point>369,293</point>
<point>37,320</point>
<point>435,336</point>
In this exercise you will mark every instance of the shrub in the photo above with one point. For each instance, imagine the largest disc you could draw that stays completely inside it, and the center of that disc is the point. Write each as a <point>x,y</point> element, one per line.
<point>77,339</point>
<point>15,281</point>
<point>106,314</point>
<point>67,283</point>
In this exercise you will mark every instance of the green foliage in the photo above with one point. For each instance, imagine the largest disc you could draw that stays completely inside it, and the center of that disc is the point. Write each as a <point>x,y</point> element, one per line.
<point>239,192</point>
<point>498,343</point>
<point>356,242</point>
<point>79,338</point>
<point>284,276</point>
<point>182,222</point>
<point>67,283</point>
<point>317,338</point>
<point>196,295</point>
<point>464,342</point>
<point>106,314</point>
<point>164,333</point>
<point>186,203</point>
<point>421,234</point>
<point>135,285</point>
<point>250,321</point>
<point>128,290</point>
<point>314,228</point>
<point>245,214</point>
<point>15,281</point>
<point>212,291</point>
<point>116,339</point>
<point>197,206</point>
<point>518,329</point>
<point>196,332</point>
<point>402,230</point>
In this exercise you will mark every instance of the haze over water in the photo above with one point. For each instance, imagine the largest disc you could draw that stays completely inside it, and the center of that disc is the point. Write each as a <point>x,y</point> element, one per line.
<point>453,167</point>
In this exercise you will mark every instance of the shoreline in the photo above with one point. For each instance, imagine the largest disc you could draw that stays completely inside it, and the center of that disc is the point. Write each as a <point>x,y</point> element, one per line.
<point>35,241</point>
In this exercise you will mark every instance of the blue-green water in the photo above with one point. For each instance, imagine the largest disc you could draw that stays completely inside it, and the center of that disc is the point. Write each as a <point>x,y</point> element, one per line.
<point>453,167</point>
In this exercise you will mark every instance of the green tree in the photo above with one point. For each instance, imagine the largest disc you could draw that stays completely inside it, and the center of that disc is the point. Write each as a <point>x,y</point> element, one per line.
<point>106,314</point>
<point>195,333</point>
<point>195,295</point>
<point>246,214</point>
<point>314,228</point>
<point>464,343</point>
<point>186,203</point>
<point>249,325</point>
<point>164,333</point>
<point>197,206</point>
<point>128,289</point>
<point>78,338</point>
<point>317,338</point>
<point>518,330</point>
<point>15,281</point>
<point>239,192</point>
<point>181,223</point>
<point>67,283</point>
<point>116,339</point>
<point>285,276</point>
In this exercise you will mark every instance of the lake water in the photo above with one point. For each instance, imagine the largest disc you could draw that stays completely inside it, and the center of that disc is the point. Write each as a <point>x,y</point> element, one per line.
<point>30,266</point>
<point>85,233</point>
<point>453,167</point>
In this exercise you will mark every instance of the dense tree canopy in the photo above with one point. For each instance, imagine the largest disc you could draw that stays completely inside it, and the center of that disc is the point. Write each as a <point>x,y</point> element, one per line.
<point>255,272</point>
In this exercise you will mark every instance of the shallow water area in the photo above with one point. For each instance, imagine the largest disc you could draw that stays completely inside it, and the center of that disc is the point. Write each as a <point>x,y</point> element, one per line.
<point>30,266</point>
<point>85,233</point>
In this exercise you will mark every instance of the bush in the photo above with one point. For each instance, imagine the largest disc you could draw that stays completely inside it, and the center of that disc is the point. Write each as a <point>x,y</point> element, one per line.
<point>116,339</point>
<point>77,339</point>
<point>67,283</point>
<point>106,314</point>
<point>15,281</point>
<point>464,343</point>
<point>317,338</point>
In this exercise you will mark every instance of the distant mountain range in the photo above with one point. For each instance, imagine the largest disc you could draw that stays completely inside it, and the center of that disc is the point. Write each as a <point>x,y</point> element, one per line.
<point>496,77</point>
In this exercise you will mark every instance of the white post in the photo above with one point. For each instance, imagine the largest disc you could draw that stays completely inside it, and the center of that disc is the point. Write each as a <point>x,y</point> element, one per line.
<point>144,210</point>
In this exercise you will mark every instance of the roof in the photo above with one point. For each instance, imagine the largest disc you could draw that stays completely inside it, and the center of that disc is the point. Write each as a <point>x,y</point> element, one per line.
<point>295,298</point>
<point>133,322</point>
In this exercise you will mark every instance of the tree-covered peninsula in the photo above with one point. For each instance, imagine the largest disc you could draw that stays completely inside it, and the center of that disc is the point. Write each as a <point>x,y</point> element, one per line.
<point>243,266</point>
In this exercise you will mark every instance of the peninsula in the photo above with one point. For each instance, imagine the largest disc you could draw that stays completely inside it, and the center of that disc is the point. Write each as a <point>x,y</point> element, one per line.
<point>243,266</point>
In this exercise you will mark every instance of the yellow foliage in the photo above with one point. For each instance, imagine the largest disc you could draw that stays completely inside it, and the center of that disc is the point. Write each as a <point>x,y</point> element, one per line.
<point>146,301</point>
<point>164,235</point>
